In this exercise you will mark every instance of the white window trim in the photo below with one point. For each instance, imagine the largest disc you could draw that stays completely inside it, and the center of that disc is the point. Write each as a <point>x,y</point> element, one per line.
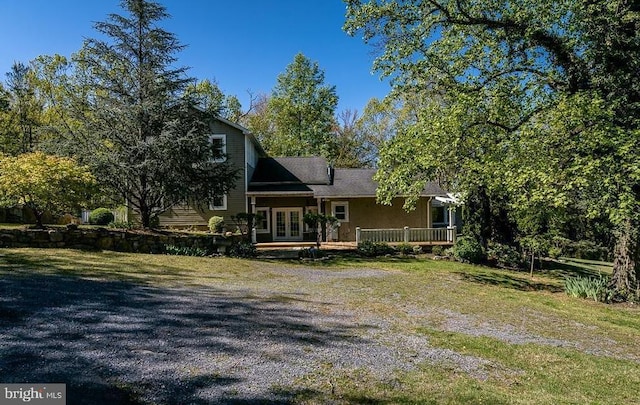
<point>346,209</point>
<point>222,207</point>
<point>224,145</point>
<point>268,230</point>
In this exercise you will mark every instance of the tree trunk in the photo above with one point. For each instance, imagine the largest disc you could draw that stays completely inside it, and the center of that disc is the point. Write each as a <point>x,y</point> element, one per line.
<point>145,217</point>
<point>626,262</point>
<point>533,259</point>
<point>38,214</point>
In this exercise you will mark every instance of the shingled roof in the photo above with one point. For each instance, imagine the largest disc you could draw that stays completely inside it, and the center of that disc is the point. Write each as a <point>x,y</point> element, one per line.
<point>360,183</point>
<point>289,174</point>
<point>309,175</point>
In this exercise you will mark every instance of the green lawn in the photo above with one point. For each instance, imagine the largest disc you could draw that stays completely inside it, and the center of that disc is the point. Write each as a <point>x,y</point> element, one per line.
<point>540,346</point>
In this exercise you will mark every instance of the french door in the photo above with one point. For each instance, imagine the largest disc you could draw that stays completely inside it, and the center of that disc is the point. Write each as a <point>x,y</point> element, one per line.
<point>287,224</point>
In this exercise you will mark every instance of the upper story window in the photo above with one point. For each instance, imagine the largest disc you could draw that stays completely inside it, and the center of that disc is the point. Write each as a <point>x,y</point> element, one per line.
<point>219,146</point>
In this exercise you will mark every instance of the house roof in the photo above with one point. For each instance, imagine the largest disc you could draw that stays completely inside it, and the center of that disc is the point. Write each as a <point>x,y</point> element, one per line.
<point>360,183</point>
<point>290,170</point>
<point>310,176</point>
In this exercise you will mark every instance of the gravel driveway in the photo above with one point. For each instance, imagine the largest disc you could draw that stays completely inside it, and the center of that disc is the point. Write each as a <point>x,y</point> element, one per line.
<point>116,342</point>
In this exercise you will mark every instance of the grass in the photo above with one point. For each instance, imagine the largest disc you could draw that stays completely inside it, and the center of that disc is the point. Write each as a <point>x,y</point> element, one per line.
<point>573,351</point>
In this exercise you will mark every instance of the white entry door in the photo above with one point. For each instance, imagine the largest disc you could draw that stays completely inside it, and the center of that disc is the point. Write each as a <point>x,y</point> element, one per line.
<point>287,224</point>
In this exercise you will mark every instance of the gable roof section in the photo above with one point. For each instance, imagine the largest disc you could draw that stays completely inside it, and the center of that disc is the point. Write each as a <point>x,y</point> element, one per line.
<point>288,170</point>
<point>360,183</point>
<point>309,176</point>
<point>289,175</point>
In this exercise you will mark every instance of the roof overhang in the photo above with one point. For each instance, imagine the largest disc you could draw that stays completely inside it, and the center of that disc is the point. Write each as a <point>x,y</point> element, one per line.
<point>279,194</point>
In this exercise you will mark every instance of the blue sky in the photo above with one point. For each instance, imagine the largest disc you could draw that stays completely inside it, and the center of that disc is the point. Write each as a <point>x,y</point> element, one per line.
<point>242,44</point>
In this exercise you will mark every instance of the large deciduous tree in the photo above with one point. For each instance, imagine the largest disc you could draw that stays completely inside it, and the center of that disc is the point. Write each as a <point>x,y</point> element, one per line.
<point>209,97</point>
<point>20,111</point>
<point>301,109</point>
<point>140,133</point>
<point>44,183</point>
<point>535,101</point>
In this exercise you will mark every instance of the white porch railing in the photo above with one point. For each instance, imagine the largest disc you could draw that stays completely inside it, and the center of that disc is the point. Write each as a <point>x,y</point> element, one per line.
<point>406,235</point>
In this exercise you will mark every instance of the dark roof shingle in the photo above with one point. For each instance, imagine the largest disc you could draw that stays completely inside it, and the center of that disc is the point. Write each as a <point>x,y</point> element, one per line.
<point>360,183</point>
<point>287,170</point>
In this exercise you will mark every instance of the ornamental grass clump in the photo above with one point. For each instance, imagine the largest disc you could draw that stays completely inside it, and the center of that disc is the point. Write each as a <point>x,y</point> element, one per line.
<point>593,288</point>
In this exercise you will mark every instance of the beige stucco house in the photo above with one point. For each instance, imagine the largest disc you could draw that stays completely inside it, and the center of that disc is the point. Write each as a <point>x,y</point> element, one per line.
<point>282,189</point>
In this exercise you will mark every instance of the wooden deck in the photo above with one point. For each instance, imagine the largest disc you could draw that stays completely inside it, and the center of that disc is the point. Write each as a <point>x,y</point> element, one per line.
<point>334,245</point>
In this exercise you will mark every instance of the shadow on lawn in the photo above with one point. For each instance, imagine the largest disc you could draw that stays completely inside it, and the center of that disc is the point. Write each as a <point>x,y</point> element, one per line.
<point>501,279</point>
<point>123,342</point>
<point>553,270</point>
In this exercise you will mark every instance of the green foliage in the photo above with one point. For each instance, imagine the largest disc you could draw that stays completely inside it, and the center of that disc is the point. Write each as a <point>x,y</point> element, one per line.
<point>586,249</point>
<point>120,225</point>
<point>530,101</point>
<point>135,123</point>
<point>216,224</point>
<point>468,250</point>
<point>537,245</point>
<point>505,256</point>
<point>596,289</point>
<point>101,216</point>
<point>209,97</point>
<point>368,248</point>
<point>245,221</point>
<point>300,112</point>
<point>437,250</point>
<point>311,253</point>
<point>44,183</point>
<point>554,252</point>
<point>184,251</point>
<point>242,249</point>
<point>22,111</point>
<point>405,248</point>
<point>318,221</point>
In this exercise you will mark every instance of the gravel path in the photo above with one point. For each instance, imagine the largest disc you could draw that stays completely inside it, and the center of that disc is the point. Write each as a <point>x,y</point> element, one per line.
<point>125,343</point>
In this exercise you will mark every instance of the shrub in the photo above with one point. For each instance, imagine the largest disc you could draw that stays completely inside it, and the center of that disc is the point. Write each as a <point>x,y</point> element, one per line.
<point>586,249</point>
<point>372,249</point>
<point>101,216</point>
<point>216,224</point>
<point>468,250</point>
<point>405,248</point>
<point>555,252</point>
<point>417,249</point>
<point>120,225</point>
<point>242,249</point>
<point>184,251</point>
<point>311,253</point>
<point>505,256</point>
<point>437,250</point>
<point>593,288</point>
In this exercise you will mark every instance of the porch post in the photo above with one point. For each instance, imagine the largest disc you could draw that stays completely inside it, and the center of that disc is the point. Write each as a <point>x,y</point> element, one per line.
<point>429,221</point>
<point>451,230</point>
<point>406,234</point>
<point>357,235</point>
<point>323,229</point>
<point>254,236</point>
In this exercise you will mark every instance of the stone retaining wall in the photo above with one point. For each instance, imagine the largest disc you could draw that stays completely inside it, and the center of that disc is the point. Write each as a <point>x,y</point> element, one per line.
<point>109,239</point>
